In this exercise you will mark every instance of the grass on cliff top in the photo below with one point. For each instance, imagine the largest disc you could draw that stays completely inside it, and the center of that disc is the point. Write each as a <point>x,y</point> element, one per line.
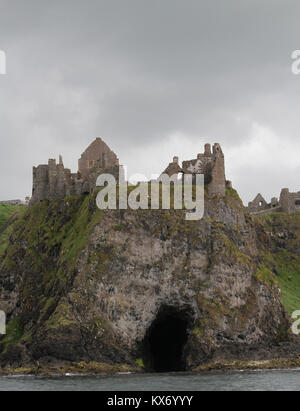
<point>6,211</point>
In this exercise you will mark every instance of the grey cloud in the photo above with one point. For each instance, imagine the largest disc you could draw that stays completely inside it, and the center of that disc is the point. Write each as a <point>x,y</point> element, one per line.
<point>136,72</point>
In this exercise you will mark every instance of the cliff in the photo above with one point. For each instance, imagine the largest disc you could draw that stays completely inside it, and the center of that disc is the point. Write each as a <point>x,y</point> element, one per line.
<point>143,288</point>
<point>6,210</point>
<point>280,252</point>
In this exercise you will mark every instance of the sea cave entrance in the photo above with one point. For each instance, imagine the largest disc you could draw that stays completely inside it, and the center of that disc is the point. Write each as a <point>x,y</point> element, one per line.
<point>163,345</point>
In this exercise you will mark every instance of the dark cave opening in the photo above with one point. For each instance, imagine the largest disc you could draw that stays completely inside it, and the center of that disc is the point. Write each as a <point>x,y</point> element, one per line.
<point>163,346</point>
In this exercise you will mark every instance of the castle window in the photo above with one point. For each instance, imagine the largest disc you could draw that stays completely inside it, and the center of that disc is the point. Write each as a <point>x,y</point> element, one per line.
<point>297,203</point>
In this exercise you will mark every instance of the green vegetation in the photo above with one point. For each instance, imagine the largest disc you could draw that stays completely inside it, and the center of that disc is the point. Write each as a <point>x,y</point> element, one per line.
<point>232,195</point>
<point>162,196</point>
<point>288,267</point>
<point>231,251</point>
<point>282,256</point>
<point>140,362</point>
<point>197,331</point>
<point>8,215</point>
<point>43,247</point>
<point>265,275</point>
<point>6,211</point>
<point>13,333</point>
<point>46,240</point>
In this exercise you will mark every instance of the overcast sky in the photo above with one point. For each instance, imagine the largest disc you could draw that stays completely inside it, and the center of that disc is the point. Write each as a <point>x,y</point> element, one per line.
<point>154,79</point>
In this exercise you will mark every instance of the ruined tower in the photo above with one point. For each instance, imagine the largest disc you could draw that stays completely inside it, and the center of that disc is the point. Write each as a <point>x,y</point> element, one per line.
<point>217,185</point>
<point>211,163</point>
<point>290,202</point>
<point>53,180</point>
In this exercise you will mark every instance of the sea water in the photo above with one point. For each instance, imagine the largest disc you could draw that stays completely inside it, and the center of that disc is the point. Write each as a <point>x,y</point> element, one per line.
<point>275,380</point>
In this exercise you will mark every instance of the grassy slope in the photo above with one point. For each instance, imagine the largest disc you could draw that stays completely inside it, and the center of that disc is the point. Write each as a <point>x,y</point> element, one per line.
<point>6,211</point>
<point>54,236</point>
<point>283,257</point>
<point>289,280</point>
<point>8,215</point>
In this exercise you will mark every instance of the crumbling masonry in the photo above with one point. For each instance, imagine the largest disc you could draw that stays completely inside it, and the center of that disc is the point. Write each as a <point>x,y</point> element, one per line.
<point>211,163</point>
<point>287,203</point>
<point>55,181</point>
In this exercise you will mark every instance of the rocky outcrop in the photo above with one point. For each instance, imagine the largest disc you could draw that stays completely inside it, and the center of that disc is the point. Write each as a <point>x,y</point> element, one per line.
<point>120,287</point>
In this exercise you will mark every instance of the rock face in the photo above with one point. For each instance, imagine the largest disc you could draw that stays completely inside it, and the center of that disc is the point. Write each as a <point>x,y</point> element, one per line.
<point>80,284</point>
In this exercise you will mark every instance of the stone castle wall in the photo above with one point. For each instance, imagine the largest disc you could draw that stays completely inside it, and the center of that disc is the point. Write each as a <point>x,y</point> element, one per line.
<point>98,155</point>
<point>211,163</point>
<point>287,203</point>
<point>53,180</point>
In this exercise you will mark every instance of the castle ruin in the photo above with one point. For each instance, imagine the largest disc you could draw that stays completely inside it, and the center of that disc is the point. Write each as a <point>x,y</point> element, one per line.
<point>53,180</point>
<point>211,163</point>
<point>287,203</point>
